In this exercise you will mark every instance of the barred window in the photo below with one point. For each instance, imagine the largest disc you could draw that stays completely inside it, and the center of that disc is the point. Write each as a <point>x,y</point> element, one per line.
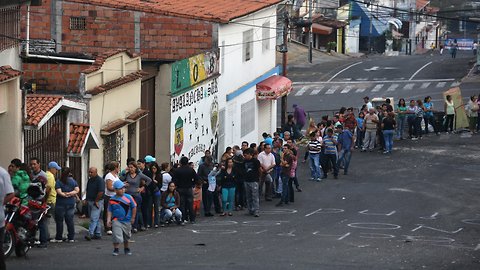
<point>247,45</point>
<point>248,117</point>
<point>78,23</point>
<point>112,147</point>
<point>9,27</point>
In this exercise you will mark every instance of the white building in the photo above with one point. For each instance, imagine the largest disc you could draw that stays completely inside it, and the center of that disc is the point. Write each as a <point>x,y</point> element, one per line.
<point>213,98</point>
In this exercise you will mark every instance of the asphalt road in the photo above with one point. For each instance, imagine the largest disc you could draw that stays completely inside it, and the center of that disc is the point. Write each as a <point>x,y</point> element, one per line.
<point>415,209</point>
<point>330,86</point>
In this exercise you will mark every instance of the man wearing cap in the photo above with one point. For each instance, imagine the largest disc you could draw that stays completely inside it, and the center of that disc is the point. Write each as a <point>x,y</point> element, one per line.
<point>51,195</point>
<point>368,103</point>
<point>121,214</point>
<point>300,117</point>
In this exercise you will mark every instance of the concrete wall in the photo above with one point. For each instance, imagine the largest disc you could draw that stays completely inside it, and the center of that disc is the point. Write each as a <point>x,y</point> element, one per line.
<point>163,113</point>
<point>10,57</point>
<point>11,134</point>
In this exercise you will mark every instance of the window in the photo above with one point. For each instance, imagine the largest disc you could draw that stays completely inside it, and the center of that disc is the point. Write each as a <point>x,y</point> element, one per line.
<point>247,45</point>
<point>248,117</point>
<point>266,37</point>
<point>78,23</point>
<point>112,147</point>
<point>9,27</point>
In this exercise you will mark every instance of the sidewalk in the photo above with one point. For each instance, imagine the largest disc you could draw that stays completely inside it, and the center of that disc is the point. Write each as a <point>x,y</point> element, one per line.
<point>297,56</point>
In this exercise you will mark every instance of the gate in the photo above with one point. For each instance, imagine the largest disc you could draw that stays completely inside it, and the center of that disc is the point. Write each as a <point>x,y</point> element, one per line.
<point>49,142</point>
<point>147,124</point>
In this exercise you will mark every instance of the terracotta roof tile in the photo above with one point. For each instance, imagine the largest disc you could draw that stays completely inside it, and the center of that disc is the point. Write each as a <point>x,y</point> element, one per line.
<point>139,113</point>
<point>37,107</point>
<point>113,126</point>
<point>329,22</point>
<point>115,83</point>
<point>100,59</point>
<point>7,73</point>
<point>78,137</point>
<point>221,11</point>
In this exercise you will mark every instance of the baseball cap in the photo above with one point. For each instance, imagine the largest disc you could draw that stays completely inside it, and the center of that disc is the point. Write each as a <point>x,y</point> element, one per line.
<point>118,185</point>
<point>54,165</point>
<point>149,159</point>
<point>268,141</point>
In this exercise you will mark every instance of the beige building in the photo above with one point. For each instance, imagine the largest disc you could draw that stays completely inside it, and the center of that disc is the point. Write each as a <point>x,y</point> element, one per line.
<point>10,115</point>
<point>113,85</point>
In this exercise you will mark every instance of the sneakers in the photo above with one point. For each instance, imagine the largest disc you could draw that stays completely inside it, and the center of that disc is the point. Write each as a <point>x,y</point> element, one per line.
<point>115,252</point>
<point>56,241</point>
<point>109,232</point>
<point>70,241</point>
<point>318,179</point>
<point>127,251</point>
<point>256,215</point>
<point>414,139</point>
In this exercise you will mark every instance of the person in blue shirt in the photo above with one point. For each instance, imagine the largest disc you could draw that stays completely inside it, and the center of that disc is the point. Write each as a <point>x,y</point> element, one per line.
<point>428,116</point>
<point>345,147</point>
<point>329,144</point>
<point>121,214</point>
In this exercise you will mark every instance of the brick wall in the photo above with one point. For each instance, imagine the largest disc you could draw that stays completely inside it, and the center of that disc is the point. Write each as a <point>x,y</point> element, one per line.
<point>161,37</point>
<point>53,77</point>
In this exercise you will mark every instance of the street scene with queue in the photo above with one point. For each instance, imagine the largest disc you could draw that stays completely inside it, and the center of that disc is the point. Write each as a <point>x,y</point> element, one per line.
<point>239,134</point>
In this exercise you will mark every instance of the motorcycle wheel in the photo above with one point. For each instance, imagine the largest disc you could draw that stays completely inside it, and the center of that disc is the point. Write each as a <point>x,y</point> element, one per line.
<point>8,243</point>
<point>21,250</point>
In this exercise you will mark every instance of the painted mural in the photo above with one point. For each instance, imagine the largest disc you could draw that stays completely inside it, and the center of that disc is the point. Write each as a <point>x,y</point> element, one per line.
<point>195,121</point>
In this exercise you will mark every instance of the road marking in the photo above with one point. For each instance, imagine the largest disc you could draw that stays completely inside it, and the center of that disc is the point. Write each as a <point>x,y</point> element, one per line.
<point>377,88</point>
<point>393,87</point>
<point>302,90</point>
<point>360,90</point>
<point>343,236</point>
<point>375,68</point>
<point>338,73</point>
<point>325,211</point>
<point>425,85</point>
<point>362,79</point>
<point>455,84</point>
<point>434,229</point>
<point>374,226</point>
<point>347,89</point>
<point>317,90</point>
<point>441,84</point>
<point>409,86</point>
<point>366,212</point>
<point>477,247</point>
<point>385,81</point>
<point>332,90</point>
<point>434,216</point>
<point>418,71</point>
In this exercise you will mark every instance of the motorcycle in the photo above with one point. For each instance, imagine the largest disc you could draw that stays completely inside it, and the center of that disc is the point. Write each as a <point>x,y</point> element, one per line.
<point>21,225</point>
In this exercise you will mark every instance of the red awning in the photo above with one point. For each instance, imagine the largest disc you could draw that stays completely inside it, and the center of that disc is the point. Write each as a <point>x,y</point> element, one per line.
<point>321,29</point>
<point>273,87</point>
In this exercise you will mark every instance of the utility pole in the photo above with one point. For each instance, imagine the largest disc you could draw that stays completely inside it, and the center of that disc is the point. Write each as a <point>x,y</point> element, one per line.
<point>310,34</point>
<point>371,28</point>
<point>284,51</point>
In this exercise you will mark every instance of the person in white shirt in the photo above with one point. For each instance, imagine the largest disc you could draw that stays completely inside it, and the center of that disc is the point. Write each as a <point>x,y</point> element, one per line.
<point>6,194</point>
<point>368,103</point>
<point>113,169</point>
<point>267,163</point>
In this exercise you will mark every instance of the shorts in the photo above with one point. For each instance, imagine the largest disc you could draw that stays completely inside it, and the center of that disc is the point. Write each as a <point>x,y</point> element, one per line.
<point>196,205</point>
<point>121,231</point>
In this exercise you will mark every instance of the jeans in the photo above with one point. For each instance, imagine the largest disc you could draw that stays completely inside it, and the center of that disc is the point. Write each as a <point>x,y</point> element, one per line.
<point>186,203</point>
<point>156,208</point>
<point>345,156</point>
<point>400,127</point>
<point>207,198</point>
<point>106,201</point>
<point>43,225</point>
<point>65,212</point>
<point>251,191</point>
<point>449,122</point>
<point>418,126</point>
<point>369,141</point>
<point>360,136</point>
<point>228,199</point>
<point>388,136</point>
<point>315,166</point>
<point>430,119</point>
<point>330,159</point>
<point>291,194</point>
<point>147,205</point>
<point>411,126</point>
<point>277,179</point>
<point>240,199</point>
<point>166,215</point>
<point>95,212</point>
<point>267,181</point>
<point>138,217</point>
<point>285,189</point>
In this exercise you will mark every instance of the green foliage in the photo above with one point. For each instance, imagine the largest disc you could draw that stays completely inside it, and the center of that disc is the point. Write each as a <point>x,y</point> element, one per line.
<point>331,46</point>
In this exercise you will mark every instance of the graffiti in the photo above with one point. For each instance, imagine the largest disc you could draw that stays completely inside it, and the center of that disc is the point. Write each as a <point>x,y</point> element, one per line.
<point>194,96</point>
